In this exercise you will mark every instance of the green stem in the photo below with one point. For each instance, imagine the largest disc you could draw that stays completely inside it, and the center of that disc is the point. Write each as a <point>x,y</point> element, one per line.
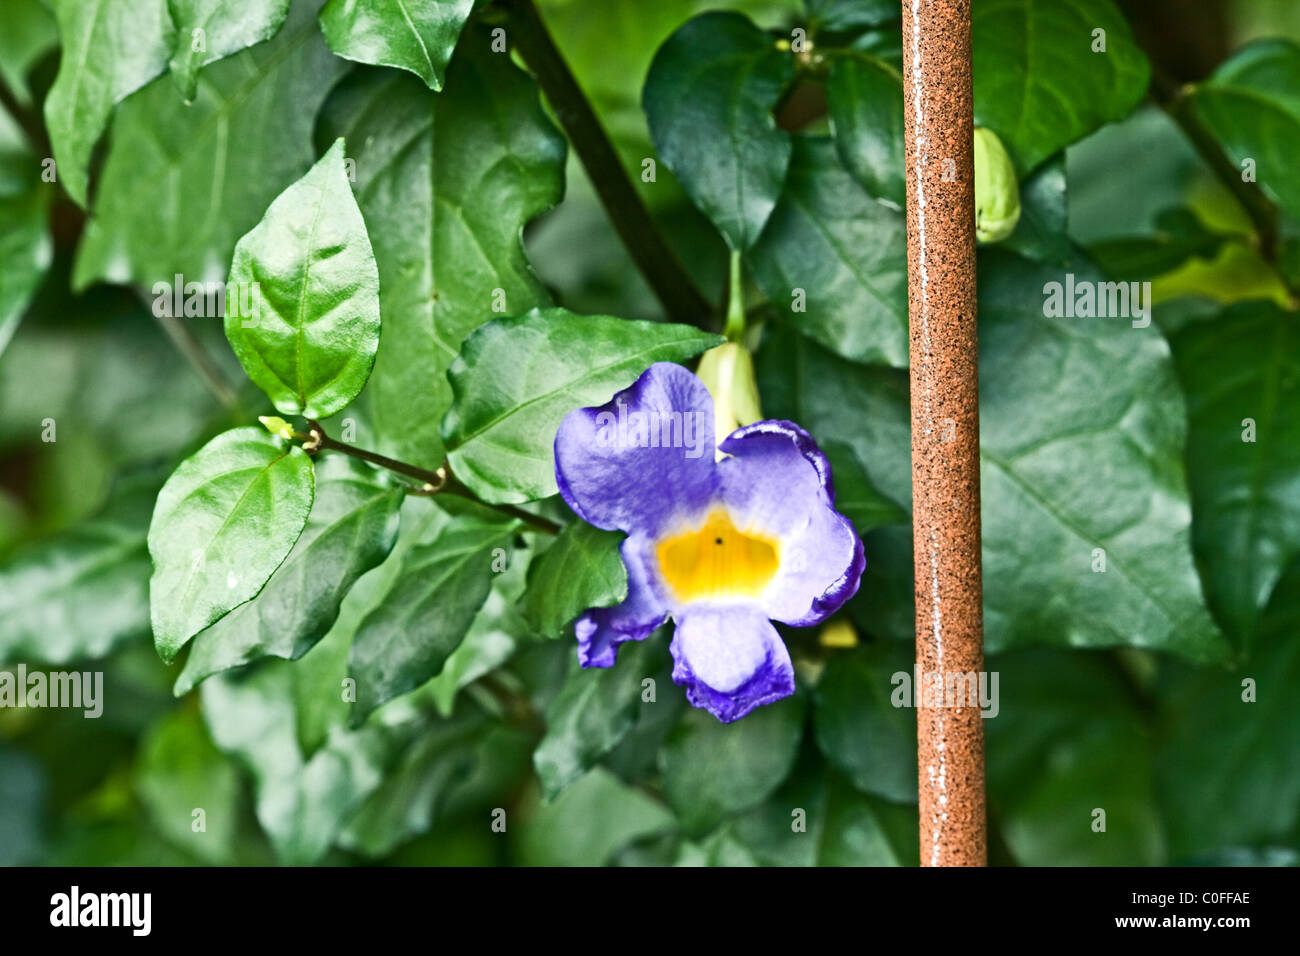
<point>663,271</point>
<point>441,481</point>
<point>735,330</point>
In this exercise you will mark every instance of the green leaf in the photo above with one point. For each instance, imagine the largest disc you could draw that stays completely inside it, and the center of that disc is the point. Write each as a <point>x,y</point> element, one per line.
<point>177,204</point>
<point>834,260</point>
<point>80,594</point>
<point>311,339</point>
<point>415,35</point>
<point>30,32</point>
<point>711,769</point>
<point>351,529</point>
<point>1179,236</point>
<point>1041,233</point>
<point>223,523</point>
<point>25,246</point>
<point>1093,461</point>
<point>865,100</point>
<point>1037,82</point>
<point>861,830</point>
<point>109,51</point>
<point>1227,771</point>
<point>709,98</point>
<point>582,569</point>
<point>857,725</point>
<point>1243,363</point>
<point>516,379</point>
<point>181,771</point>
<point>855,496</point>
<point>591,820</point>
<point>847,14</point>
<point>1068,740</point>
<point>439,588</point>
<point>1252,105</point>
<point>594,712</point>
<point>446,184</point>
<point>218,28</point>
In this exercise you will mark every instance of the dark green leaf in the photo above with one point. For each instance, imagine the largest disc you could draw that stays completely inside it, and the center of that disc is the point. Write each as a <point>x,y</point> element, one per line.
<point>855,496</point>
<point>1067,741</point>
<point>711,769</point>
<point>861,830</point>
<point>415,35</point>
<point>865,99</point>
<point>177,203</point>
<point>595,710</point>
<point>446,184</point>
<point>1038,83</point>
<point>1179,236</point>
<point>1227,769</point>
<point>580,570</point>
<point>1041,233</point>
<point>834,260</point>
<point>439,588</point>
<point>516,379</point>
<point>1243,364</point>
<point>846,14</point>
<point>858,727</point>
<point>80,594</point>
<point>1252,105</point>
<point>709,98</point>
<point>109,50</point>
<point>223,523</point>
<point>352,527</point>
<point>311,337</point>
<point>218,28</point>
<point>25,246</point>
<point>1093,462</point>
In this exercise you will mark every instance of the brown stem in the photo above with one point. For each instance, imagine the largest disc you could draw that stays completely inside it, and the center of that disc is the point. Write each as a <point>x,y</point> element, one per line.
<point>441,481</point>
<point>945,427</point>
<point>663,271</point>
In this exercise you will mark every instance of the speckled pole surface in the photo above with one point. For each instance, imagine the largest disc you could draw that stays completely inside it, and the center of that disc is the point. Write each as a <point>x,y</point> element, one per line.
<point>945,425</point>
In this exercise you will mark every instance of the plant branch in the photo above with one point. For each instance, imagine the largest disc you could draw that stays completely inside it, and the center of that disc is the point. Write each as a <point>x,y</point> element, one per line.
<point>183,338</point>
<point>663,271</point>
<point>440,481</point>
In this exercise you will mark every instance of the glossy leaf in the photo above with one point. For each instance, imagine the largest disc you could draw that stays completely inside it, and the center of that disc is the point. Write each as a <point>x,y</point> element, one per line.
<point>25,245</point>
<point>865,99</point>
<point>446,185</point>
<point>834,261</point>
<point>207,30</point>
<point>1252,105</point>
<point>1093,463</point>
<point>709,98</point>
<point>847,14</point>
<point>108,51</point>
<point>439,588</point>
<point>582,569</point>
<point>311,337</point>
<point>712,769</point>
<point>415,35</point>
<point>855,496</point>
<point>223,523</point>
<point>1240,371</point>
<point>1038,83</point>
<point>30,32</point>
<point>351,529</point>
<point>178,204</point>
<point>516,379</point>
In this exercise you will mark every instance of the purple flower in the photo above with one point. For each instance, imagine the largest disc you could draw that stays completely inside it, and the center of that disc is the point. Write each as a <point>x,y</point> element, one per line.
<point>721,547</point>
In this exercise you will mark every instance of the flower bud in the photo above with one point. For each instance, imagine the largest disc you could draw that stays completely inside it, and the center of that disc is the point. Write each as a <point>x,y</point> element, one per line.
<point>277,426</point>
<point>997,193</point>
<point>728,373</point>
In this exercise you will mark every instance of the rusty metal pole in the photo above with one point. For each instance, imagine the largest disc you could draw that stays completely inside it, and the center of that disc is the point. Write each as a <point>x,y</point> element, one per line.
<point>945,428</point>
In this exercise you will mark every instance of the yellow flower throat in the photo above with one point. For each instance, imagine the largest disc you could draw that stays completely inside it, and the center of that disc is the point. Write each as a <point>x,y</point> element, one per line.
<point>717,560</point>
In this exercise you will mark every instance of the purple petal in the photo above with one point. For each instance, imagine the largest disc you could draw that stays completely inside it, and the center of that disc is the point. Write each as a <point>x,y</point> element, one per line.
<point>778,482</point>
<point>645,459</point>
<point>601,630</point>
<point>731,660</point>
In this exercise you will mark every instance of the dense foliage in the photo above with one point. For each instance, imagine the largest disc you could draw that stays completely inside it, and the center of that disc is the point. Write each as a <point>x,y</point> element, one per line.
<point>335,665</point>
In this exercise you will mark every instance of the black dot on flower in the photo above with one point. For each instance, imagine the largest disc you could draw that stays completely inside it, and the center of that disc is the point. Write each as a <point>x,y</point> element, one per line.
<point>717,541</point>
